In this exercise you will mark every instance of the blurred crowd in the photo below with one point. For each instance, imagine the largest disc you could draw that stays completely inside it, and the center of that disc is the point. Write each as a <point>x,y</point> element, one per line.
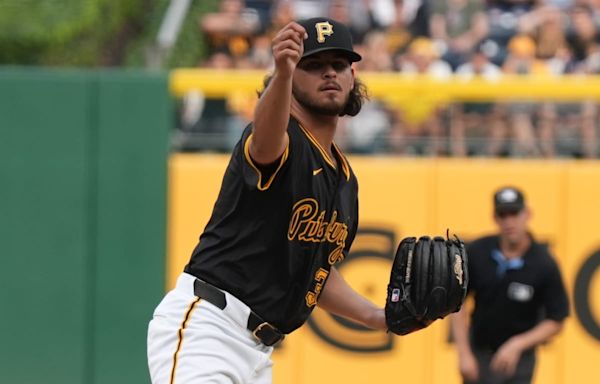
<point>439,38</point>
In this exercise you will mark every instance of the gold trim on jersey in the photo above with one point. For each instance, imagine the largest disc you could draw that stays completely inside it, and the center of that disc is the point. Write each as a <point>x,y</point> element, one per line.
<point>187,316</point>
<point>324,153</point>
<point>258,172</point>
<point>345,165</point>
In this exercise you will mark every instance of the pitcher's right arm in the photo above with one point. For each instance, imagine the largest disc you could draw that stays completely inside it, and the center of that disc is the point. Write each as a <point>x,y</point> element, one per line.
<point>269,136</point>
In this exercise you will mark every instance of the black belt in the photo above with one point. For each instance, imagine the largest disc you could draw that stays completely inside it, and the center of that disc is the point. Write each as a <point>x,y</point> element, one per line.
<point>263,331</point>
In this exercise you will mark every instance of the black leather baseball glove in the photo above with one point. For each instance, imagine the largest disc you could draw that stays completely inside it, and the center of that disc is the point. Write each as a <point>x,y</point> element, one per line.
<point>428,281</point>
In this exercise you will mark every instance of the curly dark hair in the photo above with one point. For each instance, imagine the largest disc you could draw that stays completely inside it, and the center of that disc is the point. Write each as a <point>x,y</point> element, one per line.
<point>358,95</point>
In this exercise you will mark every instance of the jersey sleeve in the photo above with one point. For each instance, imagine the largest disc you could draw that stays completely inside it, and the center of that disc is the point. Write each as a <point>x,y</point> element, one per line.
<point>263,175</point>
<point>555,300</point>
<point>257,176</point>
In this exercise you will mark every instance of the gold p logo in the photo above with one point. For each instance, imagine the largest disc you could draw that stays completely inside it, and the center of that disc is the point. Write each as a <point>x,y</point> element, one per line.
<point>323,29</point>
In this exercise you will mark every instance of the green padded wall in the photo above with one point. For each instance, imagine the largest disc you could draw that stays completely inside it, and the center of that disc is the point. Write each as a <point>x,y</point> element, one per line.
<point>44,227</point>
<point>132,168</point>
<point>83,159</point>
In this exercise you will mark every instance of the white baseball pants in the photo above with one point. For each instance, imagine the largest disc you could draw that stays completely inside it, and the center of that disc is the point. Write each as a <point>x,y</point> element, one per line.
<point>191,341</point>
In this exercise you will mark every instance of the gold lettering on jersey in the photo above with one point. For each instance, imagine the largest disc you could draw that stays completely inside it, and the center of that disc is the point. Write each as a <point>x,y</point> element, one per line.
<point>308,224</point>
<point>323,29</point>
<point>312,296</point>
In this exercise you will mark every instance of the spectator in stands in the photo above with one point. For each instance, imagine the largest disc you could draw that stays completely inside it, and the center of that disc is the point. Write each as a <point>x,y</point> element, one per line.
<point>282,13</point>
<point>546,27</point>
<point>210,124</point>
<point>263,9</point>
<point>367,132</point>
<point>399,32</point>
<point>506,19</point>
<point>259,55</point>
<point>231,28</point>
<point>478,127</point>
<point>305,9</point>
<point>340,10</point>
<point>416,16</point>
<point>381,12</point>
<point>583,36</point>
<point>573,129</point>
<point>457,26</point>
<point>375,53</point>
<point>524,114</point>
<point>423,58</point>
<point>570,128</point>
<point>418,134</point>
<point>361,16</point>
<point>582,31</point>
<point>479,64</point>
<point>591,64</point>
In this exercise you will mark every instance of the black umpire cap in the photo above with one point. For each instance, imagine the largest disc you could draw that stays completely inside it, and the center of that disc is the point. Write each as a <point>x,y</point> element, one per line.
<point>508,200</point>
<point>325,34</point>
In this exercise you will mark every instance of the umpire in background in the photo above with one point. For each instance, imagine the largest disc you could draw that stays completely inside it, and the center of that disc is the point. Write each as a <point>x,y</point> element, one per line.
<point>520,299</point>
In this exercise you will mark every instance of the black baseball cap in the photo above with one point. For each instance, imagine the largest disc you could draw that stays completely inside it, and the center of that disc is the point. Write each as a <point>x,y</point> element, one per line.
<point>325,34</point>
<point>509,200</point>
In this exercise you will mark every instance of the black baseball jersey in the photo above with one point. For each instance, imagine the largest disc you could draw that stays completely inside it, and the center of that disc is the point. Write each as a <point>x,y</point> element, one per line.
<point>276,231</point>
<point>512,302</point>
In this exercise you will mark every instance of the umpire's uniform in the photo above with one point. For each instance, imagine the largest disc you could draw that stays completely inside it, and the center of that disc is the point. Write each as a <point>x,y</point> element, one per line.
<point>511,297</point>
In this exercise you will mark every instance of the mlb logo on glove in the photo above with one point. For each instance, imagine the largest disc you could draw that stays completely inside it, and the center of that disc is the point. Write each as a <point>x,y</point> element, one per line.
<point>395,295</point>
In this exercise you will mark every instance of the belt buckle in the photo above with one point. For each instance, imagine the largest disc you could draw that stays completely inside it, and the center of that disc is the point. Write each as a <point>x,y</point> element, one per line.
<point>267,334</point>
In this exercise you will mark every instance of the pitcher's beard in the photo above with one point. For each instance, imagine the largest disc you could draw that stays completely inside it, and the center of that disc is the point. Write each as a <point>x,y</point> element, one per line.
<point>333,109</point>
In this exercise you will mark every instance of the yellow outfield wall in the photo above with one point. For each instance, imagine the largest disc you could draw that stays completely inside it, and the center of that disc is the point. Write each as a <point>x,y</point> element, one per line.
<point>410,197</point>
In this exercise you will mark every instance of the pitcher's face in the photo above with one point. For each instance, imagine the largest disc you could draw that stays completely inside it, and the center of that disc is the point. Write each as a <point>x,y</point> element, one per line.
<point>322,82</point>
